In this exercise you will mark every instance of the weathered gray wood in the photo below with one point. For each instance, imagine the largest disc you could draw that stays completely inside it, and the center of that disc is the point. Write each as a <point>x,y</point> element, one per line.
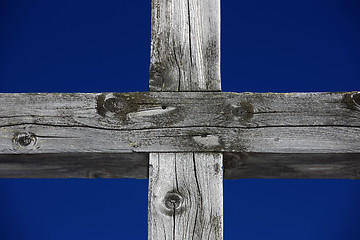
<point>285,165</point>
<point>55,139</point>
<point>217,122</point>
<point>85,135</point>
<point>185,56</point>
<point>135,165</point>
<point>185,45</point>
<point>69,124</point>
<point>185,196</point>
<point>144,110</point>
<point>75,165</point>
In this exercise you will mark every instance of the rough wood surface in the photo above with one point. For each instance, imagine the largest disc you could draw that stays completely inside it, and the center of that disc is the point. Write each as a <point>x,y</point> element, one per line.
<point>185,196</point>
<point>75,165</point>
<point>135,165</point>
<point>296,165</point>
<point>185,56</point>
<point>179,122</point>
<point>185,45</point>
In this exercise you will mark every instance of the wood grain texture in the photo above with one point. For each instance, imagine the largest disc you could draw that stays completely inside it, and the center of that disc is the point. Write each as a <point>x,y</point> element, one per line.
<point>185,56</point>
<point>185,45</point>
<point>75,165</point>
<point>135,165</point>
<point>185,196</point>
<point>179,122</point>
<point>295,165</point>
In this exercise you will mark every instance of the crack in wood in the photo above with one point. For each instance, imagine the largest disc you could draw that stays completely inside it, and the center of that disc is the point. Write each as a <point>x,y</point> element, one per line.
<point>189,216</point>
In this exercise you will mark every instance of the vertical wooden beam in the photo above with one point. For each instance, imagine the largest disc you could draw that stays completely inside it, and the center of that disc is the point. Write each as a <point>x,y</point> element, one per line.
<point>185,196</point>
<point>185,45</point>
<point>185,189</point>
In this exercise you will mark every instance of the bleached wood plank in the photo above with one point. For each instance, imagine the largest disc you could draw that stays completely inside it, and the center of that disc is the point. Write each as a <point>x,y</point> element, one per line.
<point>35,139</point>
<point>316,127</point>
<point>216,122</point>
<point>185,56</point>
<point>185,196</point>
<point>185,45</point>
<point>151,110</point>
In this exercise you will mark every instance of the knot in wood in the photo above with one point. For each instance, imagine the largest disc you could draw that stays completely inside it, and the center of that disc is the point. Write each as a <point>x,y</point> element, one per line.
<point>245,111</point>
<point>173,201</point>
<point>25,140</point>
<point>114,104</point>
<point>239,111</point>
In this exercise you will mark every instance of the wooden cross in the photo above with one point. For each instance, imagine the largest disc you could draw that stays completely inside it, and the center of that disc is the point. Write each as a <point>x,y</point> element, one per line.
<point>179,133</point>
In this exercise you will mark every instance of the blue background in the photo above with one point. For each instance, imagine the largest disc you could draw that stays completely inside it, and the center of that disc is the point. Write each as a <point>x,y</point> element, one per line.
<point>96,46</point>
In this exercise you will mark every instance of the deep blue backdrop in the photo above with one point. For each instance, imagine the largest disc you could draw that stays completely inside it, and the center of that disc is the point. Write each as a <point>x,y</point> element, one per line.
<point>96,46</point>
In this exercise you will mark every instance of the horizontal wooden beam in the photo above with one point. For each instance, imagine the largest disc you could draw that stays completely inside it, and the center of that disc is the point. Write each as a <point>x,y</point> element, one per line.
<point>135,165</point>
<point>43,123</point>
<point>292,165</point>
<point>263,135</point>
<point>75,165</point>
